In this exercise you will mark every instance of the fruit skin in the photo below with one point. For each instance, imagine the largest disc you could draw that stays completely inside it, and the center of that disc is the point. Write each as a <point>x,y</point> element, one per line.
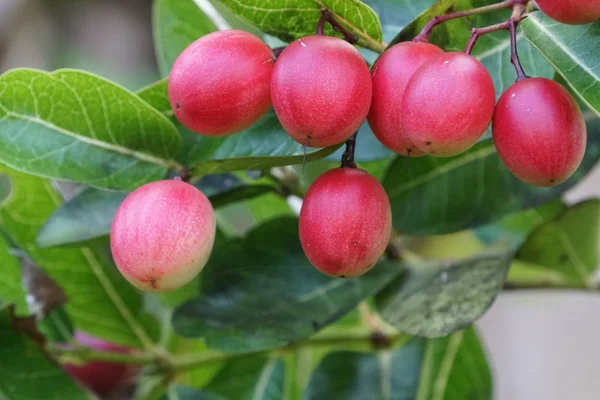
<point>390,74</point>
<point>539,132</point>
<point>101,377</point>
<point>448,104</point>
<point>574,12</point>
<point>345,222</point>
<point>220,84</point>
<point>162,235</point>
<point>321,89</point>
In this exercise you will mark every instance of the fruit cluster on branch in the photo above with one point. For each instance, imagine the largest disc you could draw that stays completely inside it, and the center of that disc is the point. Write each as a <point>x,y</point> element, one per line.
<point>418,99</point>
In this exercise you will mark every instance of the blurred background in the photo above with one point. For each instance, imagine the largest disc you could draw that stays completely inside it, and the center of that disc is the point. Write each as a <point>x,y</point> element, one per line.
<point>542,345</point>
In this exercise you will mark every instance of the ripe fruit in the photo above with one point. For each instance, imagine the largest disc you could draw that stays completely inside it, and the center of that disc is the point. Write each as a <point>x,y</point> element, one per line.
<point>101,377</point>
<point>391,73</point>
<point>321,90</point>
<point>162,235</point>
<point>448,104</point>
<point>572,12</point>
<point>539,131</point>
<point>345,222</point>
<point>220,84</point>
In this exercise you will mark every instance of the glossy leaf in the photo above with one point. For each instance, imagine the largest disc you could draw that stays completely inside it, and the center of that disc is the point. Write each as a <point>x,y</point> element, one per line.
<point>572,50</point>
<point>450,368</point>
<point>262,146</point>
<point>434,300</point>
<point>568,244</point>
<point>90,213</point>
<point>4,188</point>
<point>294,19</point>
<point>25,371</point>
<point>238,311</point>
<point>72,125</point>
<point>101,302</point>
<point>469,190</point>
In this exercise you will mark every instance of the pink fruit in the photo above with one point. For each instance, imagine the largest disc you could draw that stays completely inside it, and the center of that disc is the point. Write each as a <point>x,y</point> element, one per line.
<point>220,84</point>
<point>448,104</point>
<point>162,235</point>
<point>101,377</point>
<point>345,222</point>
<point>321,90</point>
<point>539,132</point>
<point>573,12</point>
<point>390,74</point>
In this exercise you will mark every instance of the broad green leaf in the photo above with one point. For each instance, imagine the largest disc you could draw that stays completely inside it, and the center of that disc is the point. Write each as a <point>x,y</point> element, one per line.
<point>25,371</point>
<point>11,290</point>
<point>101,302</point>
<point>262,146</point>
<point>72,125</point>
<point>294,19</point>
<point>567,244</point>
<point>450,368</point>
<point>436,299</point>
<point>176,24</point>
<point>4,188</point>
<point>347,375</point>
<point>515,228</point>
<point>57,326</point>
<point>259,297</point>
<point>471,189</point>
<point>90,213</point>
<point>255,378</point>
<point>572,50</point>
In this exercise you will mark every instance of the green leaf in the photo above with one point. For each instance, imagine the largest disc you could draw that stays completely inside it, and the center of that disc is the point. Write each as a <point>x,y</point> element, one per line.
<point>256,378</point>
<point>450,368</point>
<point>26,373</point>
<point>90,213</point>
<point>434,300</point>
<point>567,244</point>
<point>259,297</point>
<point>72,125</point>
<point>347,375</point>
<point>57,326</point>
<point>176,24</point>
<point>294,19</point>
<point>101,301</point>
<point>395,15</point>
<point>471,189</point>
<point>11,290</point>
<point>4,188</point>
<point>572,50</point>
<point>264,145</point>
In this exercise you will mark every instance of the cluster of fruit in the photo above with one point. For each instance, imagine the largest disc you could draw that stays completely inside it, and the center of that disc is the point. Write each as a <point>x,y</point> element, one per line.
<point>419,100</point>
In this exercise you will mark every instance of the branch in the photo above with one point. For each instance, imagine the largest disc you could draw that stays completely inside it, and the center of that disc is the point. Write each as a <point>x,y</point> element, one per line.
<point>326,16</point>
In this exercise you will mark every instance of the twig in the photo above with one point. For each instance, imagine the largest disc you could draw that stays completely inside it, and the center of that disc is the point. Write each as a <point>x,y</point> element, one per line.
<point>348,156</point>
<point>326,16</point>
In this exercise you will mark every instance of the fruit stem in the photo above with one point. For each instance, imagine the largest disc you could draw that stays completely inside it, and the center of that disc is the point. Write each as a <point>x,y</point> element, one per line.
<point>423,36</point>
<point>510,25</point>
<point>184,175</point>
<point>348,156</point>
<point>326,16</point>
<point>277,51</point>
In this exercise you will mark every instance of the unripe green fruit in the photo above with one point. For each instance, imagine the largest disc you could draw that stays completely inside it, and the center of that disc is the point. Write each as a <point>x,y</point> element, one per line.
<point>574,12</point>
<point>220,84</point>
<point>345,222</point>
<point>391,73</point>
<point>539,132</point>
<point>162,235</point>
<point>448,104</point>
<point>321,90</point>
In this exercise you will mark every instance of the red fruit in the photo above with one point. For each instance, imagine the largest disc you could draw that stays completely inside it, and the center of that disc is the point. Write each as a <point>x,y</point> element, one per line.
<point>539,132</point>
<point>101,377</point>
<point>391,73</point>
<point>448,104</point>
<point>321,90</point>
<point>345,222</point>
<point>162,235</point>
<point>574,12</point>
<point>220,84</point>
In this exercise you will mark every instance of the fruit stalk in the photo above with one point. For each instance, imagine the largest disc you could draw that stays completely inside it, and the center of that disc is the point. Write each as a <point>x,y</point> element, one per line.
<point>423,36</point>
<point>348,156</point>
<point>326,16</point>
